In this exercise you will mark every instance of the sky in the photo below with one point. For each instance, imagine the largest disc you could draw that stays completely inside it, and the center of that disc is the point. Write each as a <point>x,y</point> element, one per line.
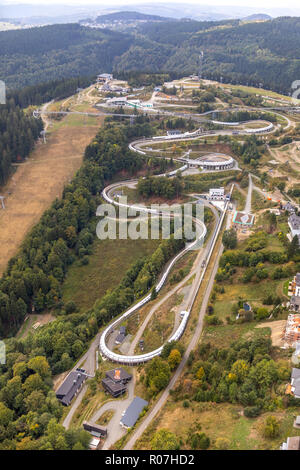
<point>108,3</point>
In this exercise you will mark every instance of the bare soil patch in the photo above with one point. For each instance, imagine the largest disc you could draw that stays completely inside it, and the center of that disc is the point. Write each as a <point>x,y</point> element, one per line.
<point>277,328</point>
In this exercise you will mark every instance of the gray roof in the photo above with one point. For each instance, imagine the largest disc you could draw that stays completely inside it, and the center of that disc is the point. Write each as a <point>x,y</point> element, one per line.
<point>298,279</point>
<point>295,373</point>
<point>295,300</point>
<point>289,207</point>
<point>124,376</point>
<point>133,412</point>
<point>120,338</point>
<point>173,132</point>
<point>296,384</point>
<point>113,387</point>
<point>293,443</point>
<point>70,386</point>
<point>294,221</point>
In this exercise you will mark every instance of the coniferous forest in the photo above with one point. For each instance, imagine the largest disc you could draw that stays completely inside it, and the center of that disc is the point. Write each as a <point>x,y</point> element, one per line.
<point>249,53</point>
<point>18,132</point>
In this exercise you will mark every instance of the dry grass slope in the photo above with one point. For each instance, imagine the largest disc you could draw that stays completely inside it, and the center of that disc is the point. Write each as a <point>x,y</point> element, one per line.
<point>38,181</point>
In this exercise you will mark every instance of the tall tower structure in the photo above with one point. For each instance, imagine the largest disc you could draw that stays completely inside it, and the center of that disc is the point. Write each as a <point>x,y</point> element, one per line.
<point>200,65</point>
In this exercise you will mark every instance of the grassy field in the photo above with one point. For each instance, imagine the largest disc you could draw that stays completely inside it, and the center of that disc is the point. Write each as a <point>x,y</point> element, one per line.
<point>252,292</point>
<point>239,198</point>
<point>220,420</point>
<point>107,266</point>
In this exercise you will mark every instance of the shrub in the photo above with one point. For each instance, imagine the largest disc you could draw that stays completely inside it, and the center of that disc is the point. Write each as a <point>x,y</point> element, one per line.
<point>271,428</point>
<point>252,411</point>
<point>222,443</point>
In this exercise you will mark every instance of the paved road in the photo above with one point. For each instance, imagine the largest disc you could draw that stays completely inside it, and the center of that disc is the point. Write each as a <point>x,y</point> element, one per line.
<point>114,429</point>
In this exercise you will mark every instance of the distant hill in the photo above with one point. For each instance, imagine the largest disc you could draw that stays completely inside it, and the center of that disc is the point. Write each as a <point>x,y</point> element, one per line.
<point>38,55</point>
<point>257,17</point>
<point>249,52</point>
<point>129,16</point>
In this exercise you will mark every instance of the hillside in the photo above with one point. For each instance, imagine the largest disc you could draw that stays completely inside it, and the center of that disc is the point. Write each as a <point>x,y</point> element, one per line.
<point>257,17</point>
<point>128,16</point>
<point>36,55</point>
<point>239,52</point>
<point>246,52</point>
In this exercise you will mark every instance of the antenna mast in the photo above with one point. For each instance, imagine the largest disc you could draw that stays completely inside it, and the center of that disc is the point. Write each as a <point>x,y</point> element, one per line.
<point>200,65</point>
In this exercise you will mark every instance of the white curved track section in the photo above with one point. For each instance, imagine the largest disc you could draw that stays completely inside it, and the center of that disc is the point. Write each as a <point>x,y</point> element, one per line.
<point>138,359</point>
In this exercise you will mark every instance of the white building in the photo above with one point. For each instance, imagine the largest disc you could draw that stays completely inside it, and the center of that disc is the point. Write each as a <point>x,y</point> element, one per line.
<point>104,77</point>
<point>294,224</point>
<point>119,101</point>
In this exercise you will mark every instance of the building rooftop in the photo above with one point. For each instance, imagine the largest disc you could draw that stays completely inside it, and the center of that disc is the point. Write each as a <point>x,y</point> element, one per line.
<point>114,388</point>
<point>70,385</point>
<point>295,373</point>
<point>294,221</point>
<point>243,218</point>
<point>289,207</point>
<point>133,412</point>
<point>295,300</point>
<point>293,443</point>
<point>118,375</point>
<point>120,338</point>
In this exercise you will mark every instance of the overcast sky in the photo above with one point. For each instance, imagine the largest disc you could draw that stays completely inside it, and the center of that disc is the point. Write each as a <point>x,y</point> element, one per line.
<point>108,3</point>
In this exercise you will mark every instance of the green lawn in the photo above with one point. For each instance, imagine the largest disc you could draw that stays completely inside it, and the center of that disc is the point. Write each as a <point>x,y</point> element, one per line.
<point>224,335</point>
<point>107,266</point>
<point>239,198</point>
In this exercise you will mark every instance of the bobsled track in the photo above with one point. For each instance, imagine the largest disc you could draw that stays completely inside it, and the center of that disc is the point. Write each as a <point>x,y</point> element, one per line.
<point>136,147</point>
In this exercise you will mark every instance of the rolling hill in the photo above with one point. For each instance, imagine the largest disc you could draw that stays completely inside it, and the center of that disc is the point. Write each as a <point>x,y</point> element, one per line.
<point>241,52</point>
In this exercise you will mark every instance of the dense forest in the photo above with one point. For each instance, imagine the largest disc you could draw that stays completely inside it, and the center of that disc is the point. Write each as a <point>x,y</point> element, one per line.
<point>38,55</point>
<point>44,92</point>
<point>249,53</point>
<point>161,186</point>
<point>18,132</point>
